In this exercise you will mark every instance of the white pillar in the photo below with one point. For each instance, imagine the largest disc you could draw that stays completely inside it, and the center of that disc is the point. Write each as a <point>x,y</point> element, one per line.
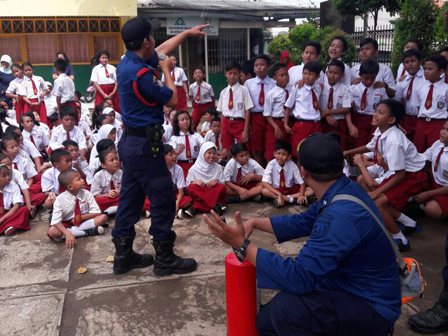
<point>248,43</point>
<point>181,61</point>
<point>206,58</point>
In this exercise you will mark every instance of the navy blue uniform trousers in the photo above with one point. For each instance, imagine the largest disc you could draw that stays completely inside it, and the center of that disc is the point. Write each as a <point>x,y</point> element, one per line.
<point>321,313</point>
<point>144,175</point>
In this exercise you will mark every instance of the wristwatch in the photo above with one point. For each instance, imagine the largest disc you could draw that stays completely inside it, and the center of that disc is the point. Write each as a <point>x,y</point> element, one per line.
<point>240,252</point>
<point>162,57</point>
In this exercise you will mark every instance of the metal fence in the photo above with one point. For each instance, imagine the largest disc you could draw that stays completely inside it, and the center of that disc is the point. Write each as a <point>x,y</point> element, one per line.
<point>230,44</point>
<point>385,37</point>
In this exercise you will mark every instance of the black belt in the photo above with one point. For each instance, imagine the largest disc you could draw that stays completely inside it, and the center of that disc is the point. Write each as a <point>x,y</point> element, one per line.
<point>280,119</point>
<point>305,120</point>
<point>186,161</point>
<point>431,119</point>
<point>234,119</point>
<point>411,116</point>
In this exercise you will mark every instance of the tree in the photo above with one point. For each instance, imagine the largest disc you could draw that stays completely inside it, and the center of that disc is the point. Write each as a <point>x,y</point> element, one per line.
<point>365,7</point>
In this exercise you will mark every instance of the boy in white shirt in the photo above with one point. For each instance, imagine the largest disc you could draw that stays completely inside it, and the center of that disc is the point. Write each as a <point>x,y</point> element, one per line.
<point>202,96</point>
<point>75,212</point>
<point>412,44</point>
<point>337,49</point>
<point>209,114</point>
<point>64,87</point>
<point>180,81</point>
<point>311,53</point>
<point>214,135</point>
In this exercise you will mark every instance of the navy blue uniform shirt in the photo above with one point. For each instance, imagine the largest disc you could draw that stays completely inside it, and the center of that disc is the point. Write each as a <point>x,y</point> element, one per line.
<point>346,251</point>
<point>133,112</point>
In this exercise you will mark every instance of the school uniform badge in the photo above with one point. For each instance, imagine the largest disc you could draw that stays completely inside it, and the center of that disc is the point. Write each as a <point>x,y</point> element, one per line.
<point>440,105</point>
<point>239,106</point>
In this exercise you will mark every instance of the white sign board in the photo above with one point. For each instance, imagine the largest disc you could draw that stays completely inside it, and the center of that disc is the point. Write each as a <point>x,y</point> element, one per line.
<point>176,25</point>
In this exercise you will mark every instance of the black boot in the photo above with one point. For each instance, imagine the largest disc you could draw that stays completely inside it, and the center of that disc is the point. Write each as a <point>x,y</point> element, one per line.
<point>167,262</point>
<point>434,320</point>
<point>126,259</point>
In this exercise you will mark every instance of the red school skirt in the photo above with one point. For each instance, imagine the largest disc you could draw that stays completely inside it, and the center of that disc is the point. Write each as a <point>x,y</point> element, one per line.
<point>40,109</point>
<point>181,99</point>
<point>199,111</point>
<point>186,166</point>
<point>106,202</point>
<point>21,107</point>
<point>289,191</point>
<point>205,198</point>
<point>19,219</point>
<point>442,200</point>
<point>107,88</point>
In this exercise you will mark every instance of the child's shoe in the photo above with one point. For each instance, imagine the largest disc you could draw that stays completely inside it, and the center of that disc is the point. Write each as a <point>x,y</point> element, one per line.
<point>96,231</point>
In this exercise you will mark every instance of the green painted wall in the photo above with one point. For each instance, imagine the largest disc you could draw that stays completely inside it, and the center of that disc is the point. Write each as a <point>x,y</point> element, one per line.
<point>218,82</point>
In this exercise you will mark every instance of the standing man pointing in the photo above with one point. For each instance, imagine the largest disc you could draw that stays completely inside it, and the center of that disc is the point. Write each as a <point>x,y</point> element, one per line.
<point>142,97</point>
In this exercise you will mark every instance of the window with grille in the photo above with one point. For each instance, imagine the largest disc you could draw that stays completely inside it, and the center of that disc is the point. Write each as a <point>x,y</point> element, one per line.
<point>230,45</point>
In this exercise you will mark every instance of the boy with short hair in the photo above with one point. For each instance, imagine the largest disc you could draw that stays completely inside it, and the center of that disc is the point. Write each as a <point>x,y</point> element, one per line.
<point>81,166</point>
<point>311,53</point>
<point>407,89</point>
<point>259,87</point>
<point>412,44</point>
<point>75,212</point>
<point>202,96</point>
<point>69,131</point>
<point>368,51</point>
<point>432,103</point>
<point>365,99</point>
<point>214,135</point>
<point>274,110</point>
<point>180,81</point>
<point>304,104</point>
<point>247,71</point>
<point>209,114</point>
<point>64,87</point>
<point>234,104</point>
<point>281,179</point>
<point>335,102</point>
<point>242,176</point>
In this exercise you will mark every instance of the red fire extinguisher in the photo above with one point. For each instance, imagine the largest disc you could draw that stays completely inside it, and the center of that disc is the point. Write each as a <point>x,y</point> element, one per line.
<point>241,294</point>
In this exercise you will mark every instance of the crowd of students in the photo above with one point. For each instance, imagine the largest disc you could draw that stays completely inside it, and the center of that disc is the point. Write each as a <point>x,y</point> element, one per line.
<point>55,155</point>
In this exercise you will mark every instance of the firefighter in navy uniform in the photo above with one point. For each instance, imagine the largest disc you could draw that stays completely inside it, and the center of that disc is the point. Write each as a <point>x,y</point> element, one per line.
<point>142,97</point>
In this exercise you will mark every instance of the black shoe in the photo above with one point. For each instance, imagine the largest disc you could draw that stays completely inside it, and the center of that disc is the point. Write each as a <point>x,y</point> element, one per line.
<point>233,199</point>
<point>257,199</point>
<point>191,212</point>
<point>96,231</point>
<point>432,321</point>
<point>167,262</point>
<point>126,259</point>
<point>402,247</point>
<point>408,230</point>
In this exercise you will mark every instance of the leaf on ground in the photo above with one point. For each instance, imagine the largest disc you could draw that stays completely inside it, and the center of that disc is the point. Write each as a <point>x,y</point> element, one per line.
<point>81,270</point>
<point>110,258</point>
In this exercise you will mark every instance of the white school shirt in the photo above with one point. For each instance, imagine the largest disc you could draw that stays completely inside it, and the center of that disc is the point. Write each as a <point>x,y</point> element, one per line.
<point>64,206</point>
<point>206,125</point>
<point>177,176</point>
<point>400,71</point>
<point>64,87</point>
<point>11,195</point>
<point>15,85</point>
<point>117,126</point>
<point>50,104</point>
<point>59,134</point>
<point>84,165</point>
<point>85,128</point>
<point>99,74</point>
<point>346,80</point>
<point>195,140</point>
<point>11,122</point>
<point>50,181</point>
<point>254,86</point>
<point>85,114</point>
<point>295,74</point>
<point>30,150</point>
<point>206,92</point>
<point>44,127</point>
<point>93,166</point>
<point>431,154</point>
<point>40,138</point>
<point>101,182</point>
<point>402,90</point>
<point>398,152</point>
<point>341,98</point>
<point>384,75</point>
<point>438,109</point>
<point>231,169</point>
<point>272,174</point>
<point>25,167</point>
<point>378,174</point>
<point>373,98</point>
<point>17,178</point>
<point>211,136</point>
<point>179,76</point>
<point>11,115</point>
<point>168,133</point>
<point>241,101</point>
<point>301,100</point>
<point>26,89</point>
<point>274,105</point>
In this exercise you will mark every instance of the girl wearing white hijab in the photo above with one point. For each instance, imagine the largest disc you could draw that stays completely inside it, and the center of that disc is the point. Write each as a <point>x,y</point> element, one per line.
<point>106,131</point>
<point>6,76</point>
<point>205,181</point>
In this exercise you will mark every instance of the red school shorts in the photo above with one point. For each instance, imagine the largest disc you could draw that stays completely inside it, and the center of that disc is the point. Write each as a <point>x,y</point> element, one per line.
<point>363,122</point>
<point>289,191</point>
<point>271,139</point>
<point>342,130</point>
<point>257,130</point>
<point>199,111</point>
<point>231,130</point>
<point>302,130</point>
<point>427,132</point>
<point>442,200</point>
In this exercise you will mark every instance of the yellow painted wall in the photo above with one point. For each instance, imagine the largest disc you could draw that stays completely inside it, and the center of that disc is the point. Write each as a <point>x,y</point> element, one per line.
<point>69,7</point>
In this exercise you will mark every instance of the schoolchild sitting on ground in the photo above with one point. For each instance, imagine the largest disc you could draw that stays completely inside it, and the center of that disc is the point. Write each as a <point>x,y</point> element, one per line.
<point>5,121</point>
<point>34,134</point>
<point>75,212</point>
<point>167,112</point>
<point>81,166</point>
<point>41,126</point>
<point>168,128</point>
<point>99,122</point>
<point>13,215</point>
<point>242,176</point>
<point>281,179</point>
<point>185,140</point>
<point>32,200</point>
<point>110,113</point>
<point>202,96</point>
<point>107,182</point>
<point>205,181</point>
<point>183,202</point>
<point>106,131</point>
<point>372,176</point>
<point>69,131</point>
<point>83,125</point>
<point>214,135</point>
<point>110,103</point>
<point>274,110</point>
<point>209,114</point>
<point>402,158</point>
<point>95,161</point>
<point>62,161</point>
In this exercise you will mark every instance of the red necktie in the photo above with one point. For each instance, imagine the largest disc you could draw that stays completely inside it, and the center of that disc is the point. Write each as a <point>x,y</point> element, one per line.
<point>403,72</point>
<point>230,99</point>
<point>2,204</point>
<point>112,185</point>
<point>261,98</point>
<point>173,75</point>
<point>68,136</point>
<point>282,179</point>
<point>187,147</point>
<point>375,153</point>
<point>107,72</point>
<point>239,175</point>
<point>428,102</point>
<point>198,94</point>
<point>217,141</point>
<point>15,166</point>
<point>34,87</point>
<point>77,220</point>
<point>364,100</point>
<point>32,140</point>
<point>315,102</point>
<point>409,92</point>
<point>61,189</point>
<point>330,99</point>
<point>436,164</point>
<point>166,122</point>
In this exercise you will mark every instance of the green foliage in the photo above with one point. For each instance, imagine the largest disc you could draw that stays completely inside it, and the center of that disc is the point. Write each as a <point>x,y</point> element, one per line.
<point>418,20</point>
<point>441,38</point>
<point>304,33</point>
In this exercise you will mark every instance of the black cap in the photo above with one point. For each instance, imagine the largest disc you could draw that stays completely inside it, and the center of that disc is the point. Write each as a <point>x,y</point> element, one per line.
<point>136,30</point>
<point>321,154</point>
